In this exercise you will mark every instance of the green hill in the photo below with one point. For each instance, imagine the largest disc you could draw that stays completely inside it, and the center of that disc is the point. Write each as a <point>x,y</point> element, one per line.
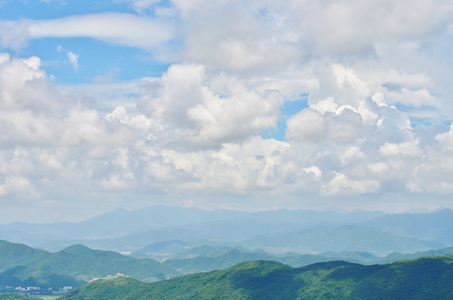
<point>230,257</point>
<point>210,258</point>
<point>12,255</point>
<point>423,278</point>
<point>21,265</point>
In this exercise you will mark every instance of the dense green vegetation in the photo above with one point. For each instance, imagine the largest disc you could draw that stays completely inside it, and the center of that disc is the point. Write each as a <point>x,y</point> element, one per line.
<point>74,266</point>
<point>207,262</point>
<point>208,258</point>
<point>24,266</point>
<point>423,278</point>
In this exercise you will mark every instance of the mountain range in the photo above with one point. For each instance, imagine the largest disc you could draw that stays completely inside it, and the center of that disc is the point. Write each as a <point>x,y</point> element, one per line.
<point>159,242</point>
<point>279,231</point>
<point>21,265</point>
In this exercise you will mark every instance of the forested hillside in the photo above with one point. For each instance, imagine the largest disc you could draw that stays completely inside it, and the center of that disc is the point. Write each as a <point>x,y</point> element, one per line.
<point>423,278</point>
<point>21,265</point>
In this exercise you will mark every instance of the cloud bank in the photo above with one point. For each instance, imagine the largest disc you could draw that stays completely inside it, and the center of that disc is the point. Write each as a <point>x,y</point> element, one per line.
<point>377,119</point>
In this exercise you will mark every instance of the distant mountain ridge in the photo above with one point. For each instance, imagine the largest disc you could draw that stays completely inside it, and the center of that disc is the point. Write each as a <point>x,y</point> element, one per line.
<point>436,226</point>
<point>121,222</point>
<point>276,231</point>
<point>345,238</point>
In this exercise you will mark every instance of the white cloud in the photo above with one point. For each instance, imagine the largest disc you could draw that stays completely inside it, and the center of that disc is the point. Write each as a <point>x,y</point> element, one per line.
<point>346,126</point>
<point>17,187</point>
<point>342,185</point>
<point>342,127</point>
<point>243,168</point>
<point>339,86</point>
<point>406,148</point>
<point>204,117</point>
<point>73,59</point>
<point>351,154</point>
<point>14,34</point>
<point>307,125</point>
<point>47,137</point>
<point>376,73</point>
<point>433,173</point>
<point>259,35</point>
<point>445,140</point>
<point>116,28</point>
<point>327,105</point>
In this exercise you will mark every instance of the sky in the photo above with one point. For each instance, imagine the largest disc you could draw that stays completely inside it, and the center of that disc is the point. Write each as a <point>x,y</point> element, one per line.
<point>228,104</point>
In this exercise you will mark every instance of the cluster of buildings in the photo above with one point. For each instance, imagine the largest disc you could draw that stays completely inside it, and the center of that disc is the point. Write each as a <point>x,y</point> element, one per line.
<point>33,290</point>
<point>110,277</point>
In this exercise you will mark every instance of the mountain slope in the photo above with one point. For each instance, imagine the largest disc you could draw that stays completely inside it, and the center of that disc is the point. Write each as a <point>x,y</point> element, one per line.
<point>12,255</point>
<point>208,258</point>
<point>21,265</point>
<point>436,226</point>
<point>424,278</point>
<point>232,256</point>
<point>345,238</point>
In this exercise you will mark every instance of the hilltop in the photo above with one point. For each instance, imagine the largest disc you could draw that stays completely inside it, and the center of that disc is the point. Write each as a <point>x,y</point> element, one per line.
<point>21,265</point>
<point>423,278</point>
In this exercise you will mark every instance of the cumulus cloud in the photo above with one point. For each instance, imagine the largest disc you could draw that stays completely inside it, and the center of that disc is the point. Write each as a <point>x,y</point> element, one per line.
<point>406,148</point>
<point>206,117</point>
<point>342,127</point>
<point>307,125</point>
<point>17,187</point>
<point>196,132</point>
<point>45,132</point>
<point>262,34</point>
<point>433,173</point>
<point>342,185</point>
<point>243,168</point>
<point>375,76</point>
<point>24,86</point>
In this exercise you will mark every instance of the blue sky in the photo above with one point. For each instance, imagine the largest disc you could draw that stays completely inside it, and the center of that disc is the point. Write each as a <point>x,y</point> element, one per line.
<point>97,59</point>
<point>228,104</point>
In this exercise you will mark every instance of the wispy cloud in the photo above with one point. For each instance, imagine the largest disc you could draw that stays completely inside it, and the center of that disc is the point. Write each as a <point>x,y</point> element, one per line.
<point>73,58</point>
<point>116,28</point>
